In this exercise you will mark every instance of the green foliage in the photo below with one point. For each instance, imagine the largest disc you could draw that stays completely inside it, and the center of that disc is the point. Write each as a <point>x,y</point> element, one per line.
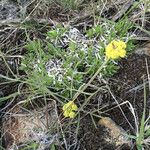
<point>95,31</point>
<point>143,130</point>
<point>31,146</point>
<point>123,26</point>
<point>52,147</point>
<point>51,66</point>
<point>56,33</point>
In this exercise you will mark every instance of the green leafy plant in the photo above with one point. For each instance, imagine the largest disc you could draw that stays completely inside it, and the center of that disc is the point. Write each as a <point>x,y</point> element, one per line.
<point>66,58</point>
<point>31,145</point>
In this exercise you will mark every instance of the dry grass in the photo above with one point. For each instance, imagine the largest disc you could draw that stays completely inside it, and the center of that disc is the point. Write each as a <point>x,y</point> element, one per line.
<point>36,17</point>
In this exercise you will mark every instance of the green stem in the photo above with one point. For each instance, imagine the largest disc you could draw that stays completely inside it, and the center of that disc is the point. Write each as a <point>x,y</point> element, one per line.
<point>82,88</point>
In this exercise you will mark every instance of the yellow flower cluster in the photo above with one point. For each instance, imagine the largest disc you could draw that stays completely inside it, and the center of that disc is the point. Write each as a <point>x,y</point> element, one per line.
<point>69,109</point>
<point>116,49</point>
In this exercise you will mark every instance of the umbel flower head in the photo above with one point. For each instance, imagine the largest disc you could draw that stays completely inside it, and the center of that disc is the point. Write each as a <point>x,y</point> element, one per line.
<point>69,109</point>
<point>116,49</point>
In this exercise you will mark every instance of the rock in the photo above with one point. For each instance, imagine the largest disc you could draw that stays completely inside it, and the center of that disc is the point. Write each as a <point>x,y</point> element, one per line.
<point>144,49</point>
<point>21,126</point>
<point>115,135</point>
<point>8,10</point>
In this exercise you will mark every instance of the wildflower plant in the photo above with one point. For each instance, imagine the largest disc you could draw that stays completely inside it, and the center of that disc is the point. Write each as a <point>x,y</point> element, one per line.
<point>67,58</point>
<point>69,109</point>
<point>116,49</point>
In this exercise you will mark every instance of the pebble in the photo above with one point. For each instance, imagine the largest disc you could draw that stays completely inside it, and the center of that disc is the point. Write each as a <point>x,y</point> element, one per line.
<point>115,134</point>
<point>144,49</point>
<point>21,126</point>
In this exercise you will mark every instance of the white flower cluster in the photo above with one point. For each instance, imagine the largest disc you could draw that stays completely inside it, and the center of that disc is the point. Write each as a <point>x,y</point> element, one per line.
<point>55,70</point>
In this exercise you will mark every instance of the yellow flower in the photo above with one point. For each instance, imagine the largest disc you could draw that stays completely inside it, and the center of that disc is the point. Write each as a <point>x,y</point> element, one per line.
<point>68,105</point>
<point>116,49</point>
<point>66,113</point>
<point>74,107</point>
<point>72,114</point>
<point>69,109</point>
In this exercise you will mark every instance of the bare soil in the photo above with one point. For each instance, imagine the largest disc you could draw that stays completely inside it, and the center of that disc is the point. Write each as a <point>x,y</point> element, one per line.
<point>125,87</point>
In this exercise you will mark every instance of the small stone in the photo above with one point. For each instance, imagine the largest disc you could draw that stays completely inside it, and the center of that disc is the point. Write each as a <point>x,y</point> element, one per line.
<point>21,126</point>
<point>144,50</point>
<point>115,134</point>
<point>8,10</point>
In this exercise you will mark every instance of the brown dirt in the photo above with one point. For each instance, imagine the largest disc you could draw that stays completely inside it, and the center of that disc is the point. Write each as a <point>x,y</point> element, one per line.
<point>20,125</point>
<point>131,74</point>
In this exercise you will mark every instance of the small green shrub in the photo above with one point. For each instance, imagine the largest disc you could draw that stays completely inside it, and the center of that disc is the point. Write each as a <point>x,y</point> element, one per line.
<point>66,59</point>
